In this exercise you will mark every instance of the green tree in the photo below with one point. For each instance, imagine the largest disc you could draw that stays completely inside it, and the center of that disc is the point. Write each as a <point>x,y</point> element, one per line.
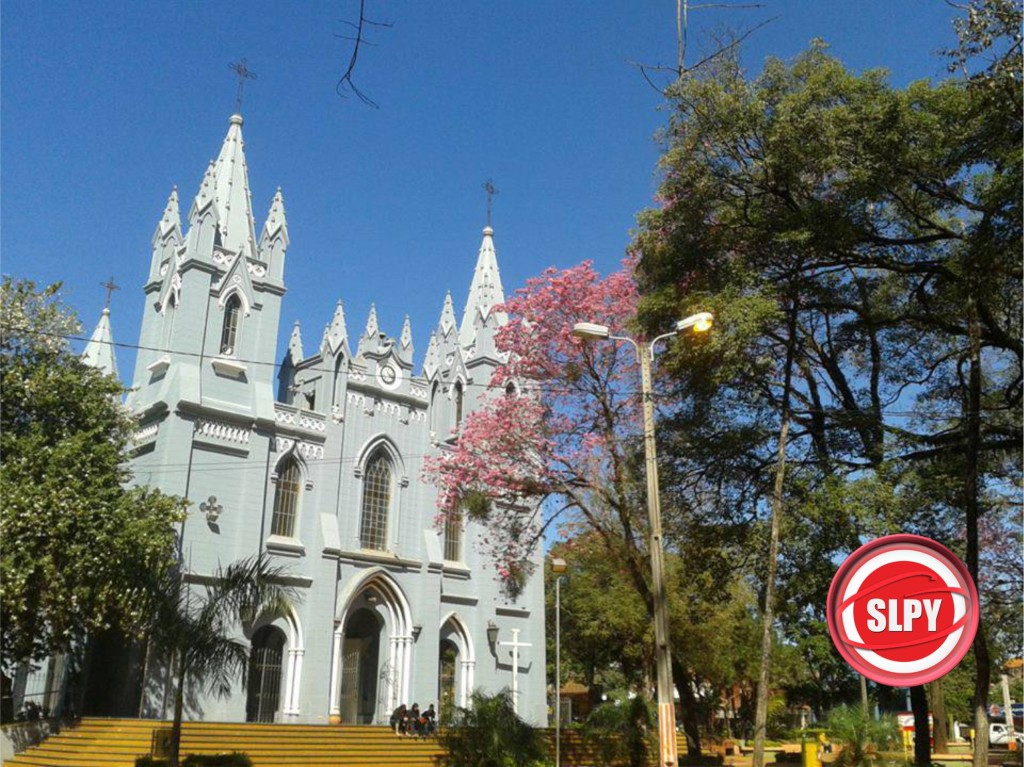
<point>77,540</point>
<point>871,236</point>
<point>195,630</point>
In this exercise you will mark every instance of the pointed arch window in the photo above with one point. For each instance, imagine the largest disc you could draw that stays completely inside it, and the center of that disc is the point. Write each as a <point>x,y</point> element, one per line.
<point>453,536</point>
<point>459,396</point>
<point>377,493</point>
<point>232,319</point>
<point>286,499</point>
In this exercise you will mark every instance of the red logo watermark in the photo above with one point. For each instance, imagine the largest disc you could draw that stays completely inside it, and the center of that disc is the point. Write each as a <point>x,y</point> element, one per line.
<point>902,610</point>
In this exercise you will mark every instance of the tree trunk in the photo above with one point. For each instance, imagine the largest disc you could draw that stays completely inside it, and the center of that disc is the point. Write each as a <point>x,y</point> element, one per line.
<point>922,732</point>
<point>179,705</point>
<point>864,696</point>
<point>684,686</point>
<point>768,614</point>
<point>938,706</point>
<point>972,405</point>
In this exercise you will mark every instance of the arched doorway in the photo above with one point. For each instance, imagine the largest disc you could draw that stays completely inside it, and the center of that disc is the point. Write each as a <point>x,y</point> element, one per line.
<point>264,689</point>
<point>448,659</point>
<point>360,661</point>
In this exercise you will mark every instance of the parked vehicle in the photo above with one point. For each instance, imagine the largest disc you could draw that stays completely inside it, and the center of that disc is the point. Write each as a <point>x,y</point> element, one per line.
<point>999,735</point>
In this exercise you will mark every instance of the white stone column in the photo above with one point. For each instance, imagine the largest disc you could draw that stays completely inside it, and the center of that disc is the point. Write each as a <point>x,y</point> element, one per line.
<point>394,658</point>
<point>335,703</point>
<point>406,667</point>
<point>466,688</point>
<point>294,681</point>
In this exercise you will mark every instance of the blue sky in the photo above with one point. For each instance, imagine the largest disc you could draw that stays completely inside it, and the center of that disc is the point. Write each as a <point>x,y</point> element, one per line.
<point>107,105</point>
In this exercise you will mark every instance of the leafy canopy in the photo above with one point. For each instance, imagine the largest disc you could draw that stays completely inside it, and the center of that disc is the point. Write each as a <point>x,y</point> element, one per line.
<point>77,540</point>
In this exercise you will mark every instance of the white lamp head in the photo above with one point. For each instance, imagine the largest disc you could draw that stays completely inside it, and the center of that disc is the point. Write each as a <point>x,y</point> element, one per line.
<point>701,322</point>
<point>590,331</point>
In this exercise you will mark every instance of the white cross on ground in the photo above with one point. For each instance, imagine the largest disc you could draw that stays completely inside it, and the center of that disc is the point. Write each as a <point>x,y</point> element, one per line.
<point>515,644</point>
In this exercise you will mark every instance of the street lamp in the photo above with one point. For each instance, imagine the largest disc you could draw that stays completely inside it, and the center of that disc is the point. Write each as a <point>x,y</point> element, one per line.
<point>558,567</point>
<point>589,331</point>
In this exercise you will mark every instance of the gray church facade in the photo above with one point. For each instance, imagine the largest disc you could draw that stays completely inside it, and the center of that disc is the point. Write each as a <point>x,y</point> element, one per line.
<point>316,460</point>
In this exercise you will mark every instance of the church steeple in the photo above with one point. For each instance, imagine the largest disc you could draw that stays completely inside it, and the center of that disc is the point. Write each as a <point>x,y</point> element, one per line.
<point>231,193</point>
<point>99,352</point>
<point>485,292</point>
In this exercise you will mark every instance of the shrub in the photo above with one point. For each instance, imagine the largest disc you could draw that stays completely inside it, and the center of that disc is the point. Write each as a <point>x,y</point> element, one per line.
<point>860,736</point>
<point>490,734</point>
<point>620,733</point>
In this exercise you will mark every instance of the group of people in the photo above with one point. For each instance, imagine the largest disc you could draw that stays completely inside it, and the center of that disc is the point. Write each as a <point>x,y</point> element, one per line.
<point>411,721</point>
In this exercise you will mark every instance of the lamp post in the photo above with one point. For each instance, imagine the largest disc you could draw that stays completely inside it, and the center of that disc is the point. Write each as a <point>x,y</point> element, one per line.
<point>589,331</point>
<point>558,567</point>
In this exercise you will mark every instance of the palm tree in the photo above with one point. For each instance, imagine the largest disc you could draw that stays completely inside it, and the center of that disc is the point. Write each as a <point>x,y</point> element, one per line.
<point>196,631</point>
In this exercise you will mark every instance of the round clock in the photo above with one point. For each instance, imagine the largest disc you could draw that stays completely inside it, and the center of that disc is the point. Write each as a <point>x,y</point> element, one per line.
<point>387,375</point>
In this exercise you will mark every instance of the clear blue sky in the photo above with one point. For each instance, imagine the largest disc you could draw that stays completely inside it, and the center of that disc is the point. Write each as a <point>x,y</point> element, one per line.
<point>107,105</point>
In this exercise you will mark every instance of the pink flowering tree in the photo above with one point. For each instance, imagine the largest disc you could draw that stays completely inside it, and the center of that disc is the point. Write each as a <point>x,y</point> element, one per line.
<point>558,444</point>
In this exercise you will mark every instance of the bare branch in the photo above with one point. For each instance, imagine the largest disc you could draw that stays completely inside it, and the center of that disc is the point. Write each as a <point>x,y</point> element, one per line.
<point>359,40</point>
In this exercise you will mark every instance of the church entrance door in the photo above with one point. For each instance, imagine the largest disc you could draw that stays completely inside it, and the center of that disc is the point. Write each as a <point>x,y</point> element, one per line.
<point>361,654</point>
<point>264,696</point>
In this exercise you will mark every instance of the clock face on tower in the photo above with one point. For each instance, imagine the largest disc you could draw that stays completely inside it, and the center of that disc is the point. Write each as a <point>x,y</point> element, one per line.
<point>388,375</point>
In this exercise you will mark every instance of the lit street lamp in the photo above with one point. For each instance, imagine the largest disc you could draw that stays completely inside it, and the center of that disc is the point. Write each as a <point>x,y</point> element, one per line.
<point>558,567</point>
<point>699,323</point>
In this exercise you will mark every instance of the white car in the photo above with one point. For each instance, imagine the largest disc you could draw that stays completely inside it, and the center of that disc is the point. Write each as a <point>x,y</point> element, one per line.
<point>999,735</point>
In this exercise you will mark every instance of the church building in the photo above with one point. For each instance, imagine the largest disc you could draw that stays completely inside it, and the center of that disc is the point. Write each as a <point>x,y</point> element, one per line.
<point>316,460</point>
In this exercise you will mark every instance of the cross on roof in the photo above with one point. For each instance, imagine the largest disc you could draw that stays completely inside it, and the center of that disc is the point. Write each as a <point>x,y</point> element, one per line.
<point>242,71</point>
<point>491,190</point>
<point>111,286</point>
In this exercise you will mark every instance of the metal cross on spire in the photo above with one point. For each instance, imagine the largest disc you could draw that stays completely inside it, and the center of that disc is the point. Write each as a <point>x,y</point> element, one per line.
<point>242,71</point>
<point>491,190</point>
<point>111,286</point>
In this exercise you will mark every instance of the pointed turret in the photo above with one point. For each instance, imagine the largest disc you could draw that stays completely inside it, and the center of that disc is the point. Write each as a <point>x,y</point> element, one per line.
<point>336,333</point>
<point>99,352</point>
<point>485,292</point>
<point>446,324</point>
<point>167,236</point>
<point>404,352</point>
<point>274,239</point>
<point>171,219</point>
<point>203,218</point>
<point>433,359</point>
<point>231,193</point>
<point>295,345</point>
<point>370,339</point>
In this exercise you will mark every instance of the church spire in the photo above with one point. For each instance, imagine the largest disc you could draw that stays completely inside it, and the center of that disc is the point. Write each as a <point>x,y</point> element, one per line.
<point>231,193</point>
<point>99,352</point>
<point>485,292</point>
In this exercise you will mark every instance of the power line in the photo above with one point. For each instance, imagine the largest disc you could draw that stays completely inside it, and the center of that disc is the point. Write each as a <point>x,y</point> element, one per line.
<point>544,386</point>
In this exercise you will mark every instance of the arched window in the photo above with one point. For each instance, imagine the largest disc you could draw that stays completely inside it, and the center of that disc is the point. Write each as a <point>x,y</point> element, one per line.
<point>453,536</point>
<point>232,319</point>
<point>265,657</point>
<point>458,396</point>
<point>286,498</point>
<point>377,493</point>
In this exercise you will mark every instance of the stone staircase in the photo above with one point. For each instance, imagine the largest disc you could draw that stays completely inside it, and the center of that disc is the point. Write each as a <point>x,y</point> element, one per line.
<point>116,743</point>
